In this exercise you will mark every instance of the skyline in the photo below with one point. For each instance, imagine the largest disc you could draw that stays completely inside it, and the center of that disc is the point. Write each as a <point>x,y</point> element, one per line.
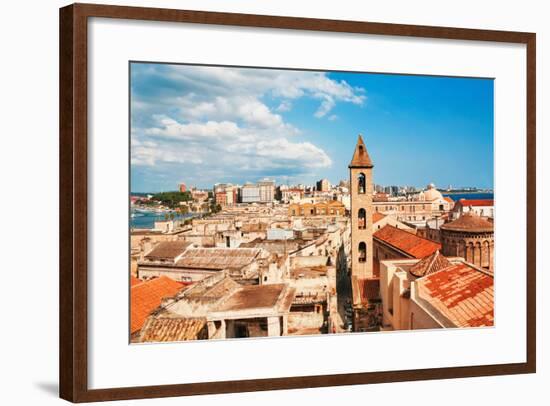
<point>204,125</point>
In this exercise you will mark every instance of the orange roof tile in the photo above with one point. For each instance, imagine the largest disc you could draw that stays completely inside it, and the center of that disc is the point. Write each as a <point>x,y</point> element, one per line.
<point>376,217</point>
<point>147,296</point>
<point>411,244</point>
<point>476,202</point>
<point>158,329</point>
<point>430,264</point>
<point>461,293</point>
<point>469,222</point>
<point>135,281</point>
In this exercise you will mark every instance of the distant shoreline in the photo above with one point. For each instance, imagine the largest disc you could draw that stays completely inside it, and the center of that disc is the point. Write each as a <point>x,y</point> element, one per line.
<point>466,192</point>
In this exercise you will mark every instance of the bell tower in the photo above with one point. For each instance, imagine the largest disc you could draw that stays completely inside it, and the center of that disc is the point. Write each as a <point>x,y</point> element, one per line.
<point>360,171</point>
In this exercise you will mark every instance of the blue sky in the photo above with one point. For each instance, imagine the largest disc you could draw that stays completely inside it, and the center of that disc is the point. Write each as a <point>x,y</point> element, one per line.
<point>201,125</point>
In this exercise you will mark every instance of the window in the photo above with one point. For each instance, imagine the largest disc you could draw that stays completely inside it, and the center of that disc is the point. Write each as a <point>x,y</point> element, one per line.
<point>362,252</point>
<point>362,217</point>
<point>361,183</point>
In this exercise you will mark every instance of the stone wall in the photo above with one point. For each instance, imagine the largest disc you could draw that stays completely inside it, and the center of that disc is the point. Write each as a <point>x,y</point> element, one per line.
<point>304,321</point>
<point>475,248</point>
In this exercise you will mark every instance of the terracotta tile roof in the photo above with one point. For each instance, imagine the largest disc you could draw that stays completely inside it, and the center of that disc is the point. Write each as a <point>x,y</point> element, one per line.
<point>204,292</point>
<point>254,296</point>
<point>469,222</point>
<point>135,281</point>
<point>218,258</point>
<point>376,217</point>
<point>365,290</point>
<point>463,294</point>
<point>162,329</point>
<point>147,296</point>
<point>411,244</point>
<point>361,158</point>
<point>476,202</point>
<point>448,199</point>
<point>430,264</point>
<point>167,250</point>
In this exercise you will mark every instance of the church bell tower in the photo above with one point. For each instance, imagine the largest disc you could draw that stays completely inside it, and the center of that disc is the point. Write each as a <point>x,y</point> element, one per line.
<point>360,171</point>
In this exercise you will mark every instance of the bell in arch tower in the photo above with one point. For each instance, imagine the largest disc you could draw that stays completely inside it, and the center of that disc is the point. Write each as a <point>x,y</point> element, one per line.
<point>360,171</point>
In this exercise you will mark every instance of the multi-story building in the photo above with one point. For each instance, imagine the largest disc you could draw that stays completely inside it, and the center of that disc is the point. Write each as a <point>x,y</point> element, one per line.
<point>425,205</point>
<point>225,194</point>
<point>323,185</point>
<point>231,195</point>
<point>267,190</point>
<point>250,193</point>
<point>481,207</point>
<point>327,208</point>
<point>221,198</point>
<point>199,195</point>
<point>291,194</point>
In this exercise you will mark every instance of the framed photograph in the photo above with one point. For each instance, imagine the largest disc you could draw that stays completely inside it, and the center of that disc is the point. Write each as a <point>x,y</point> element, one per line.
<point>255,202</point>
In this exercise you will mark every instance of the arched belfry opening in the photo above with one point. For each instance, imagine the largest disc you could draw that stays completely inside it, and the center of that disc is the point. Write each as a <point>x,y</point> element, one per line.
<point>361,183</point>
<point>362,252</point>
<point>362,219</point>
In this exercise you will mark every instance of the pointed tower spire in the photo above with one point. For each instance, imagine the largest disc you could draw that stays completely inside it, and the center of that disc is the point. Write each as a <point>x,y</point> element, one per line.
<point>361,158</point>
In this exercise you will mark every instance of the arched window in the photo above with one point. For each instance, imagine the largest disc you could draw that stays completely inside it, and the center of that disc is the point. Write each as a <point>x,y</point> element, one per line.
<point>362,217</point>
<point>362,252</point>
<point>361,183</point>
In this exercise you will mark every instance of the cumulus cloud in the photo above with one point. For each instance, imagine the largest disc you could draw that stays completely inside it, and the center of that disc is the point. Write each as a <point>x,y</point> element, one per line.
<point>284,106</point>
<point>215,121</point>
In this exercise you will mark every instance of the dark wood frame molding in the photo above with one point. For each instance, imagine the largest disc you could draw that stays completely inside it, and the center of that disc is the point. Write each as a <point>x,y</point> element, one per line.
<point>73,362</point>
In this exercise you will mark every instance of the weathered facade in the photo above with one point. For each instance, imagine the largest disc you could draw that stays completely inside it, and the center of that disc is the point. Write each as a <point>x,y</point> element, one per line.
<point>470,237</point>
<point>328,208</point>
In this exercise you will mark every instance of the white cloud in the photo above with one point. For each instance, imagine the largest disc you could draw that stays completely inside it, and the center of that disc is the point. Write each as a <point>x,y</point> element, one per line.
<point>216,121</point>
<point>232,85</point>
<point>220,144</point>
<point>325,107</point>
<point>284,106</point>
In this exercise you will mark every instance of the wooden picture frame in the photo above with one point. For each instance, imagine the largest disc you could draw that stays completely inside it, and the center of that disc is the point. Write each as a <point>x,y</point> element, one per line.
<point>74,201</point>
